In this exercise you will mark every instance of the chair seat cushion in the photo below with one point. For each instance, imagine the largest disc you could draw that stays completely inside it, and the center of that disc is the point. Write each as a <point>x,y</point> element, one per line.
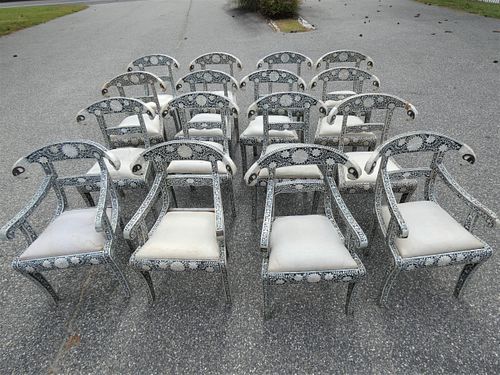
<point>295,171</point>
<point>255,128</point>
<point>182,235</point>
<point>163,99</point>
<point>334,129</point>
<point>341,95</point>
<point>201,166</point>
<point>127,156</point>
<point>431,230</point>
<point>307,243</point>
<point>153,127</point>
<point>72,232</point>
<point>361,158</point>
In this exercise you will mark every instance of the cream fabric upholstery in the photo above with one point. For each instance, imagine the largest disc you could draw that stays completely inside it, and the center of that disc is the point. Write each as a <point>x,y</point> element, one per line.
<point>431,230</point>
<point>126,155</point>
<point>334,103</point>
<point>214,132</point>
<point>72,232</point>
<point>206,117</point>
<point>307,243</point>
<point>294,171</point>
<point>361,158</point>
<point>153,127</point>
<point>163,99</point>
<point>182,235</point>
<point>201,166</point>
<point>194,167</point>
<point>332,130</point>
<point>255,128</point>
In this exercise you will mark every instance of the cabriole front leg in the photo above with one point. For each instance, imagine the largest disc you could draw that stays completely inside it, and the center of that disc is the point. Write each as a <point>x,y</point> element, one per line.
<point>464,276</point>
<point>389,281</point>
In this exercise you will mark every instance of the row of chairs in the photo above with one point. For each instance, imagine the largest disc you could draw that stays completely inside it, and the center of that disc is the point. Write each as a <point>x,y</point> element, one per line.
<point>290,161</point>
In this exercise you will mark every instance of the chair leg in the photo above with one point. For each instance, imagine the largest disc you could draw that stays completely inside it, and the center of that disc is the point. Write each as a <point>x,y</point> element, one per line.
<point>255,152</point>
<point>243,150</point>
<point>174,199</point>
<point>87,197</point>
<point>231,198</point>
<point>225,284</point>
<point>42,282</point>
<point>388,285</point>
<point>266,300</point>
<point>351,291</point>
<point>315,203</point>
<point>120,276</point>
<point>464,276</point>
<point>149,281</point>
<point>255,202</point>
<point>237,129</point>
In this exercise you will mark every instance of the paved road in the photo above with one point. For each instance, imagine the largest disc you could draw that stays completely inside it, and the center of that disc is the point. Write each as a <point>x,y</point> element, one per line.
<point>50,71</point>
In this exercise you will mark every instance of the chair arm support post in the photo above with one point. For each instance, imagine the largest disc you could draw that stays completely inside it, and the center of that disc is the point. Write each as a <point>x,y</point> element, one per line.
<point>129,232</point>
<point>268,217</point>
<point>352,225</point>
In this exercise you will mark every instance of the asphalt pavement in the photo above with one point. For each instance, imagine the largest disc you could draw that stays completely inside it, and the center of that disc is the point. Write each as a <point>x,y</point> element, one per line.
<point>443,61</point>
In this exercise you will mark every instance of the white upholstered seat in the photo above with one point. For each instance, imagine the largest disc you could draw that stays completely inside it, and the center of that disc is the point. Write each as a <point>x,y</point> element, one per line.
<point>431,230</point>
<point>72,232</point>
<point>163,99</point>
<point>153,127</point>
<point>361,158</point>
<point>255,128</point>
<point>182,235</point>
<point>127,156</point>
<point>307,243</point>
<point>334,129</point>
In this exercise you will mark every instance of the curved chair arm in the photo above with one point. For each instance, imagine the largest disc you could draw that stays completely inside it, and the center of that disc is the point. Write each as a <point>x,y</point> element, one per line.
<point>268,217</point>
<point>7,232</point>
<point>129,232</point>
<point>489,216</point>
<point>351,223</point>
<point>219,210</point>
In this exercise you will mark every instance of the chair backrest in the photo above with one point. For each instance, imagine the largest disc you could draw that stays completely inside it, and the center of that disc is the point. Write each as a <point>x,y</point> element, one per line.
<point>365,105</point>
<point>272,77</point>
<point>342,74</point>
<point>285,58</point>
<point>410,143</point>
<point>157,60</point>
<point>137,78</point>
<point>286,103</point>
<point>326,158</point>
<point>104,111</point>
<point>216,58</point>
<point>72,150</point>
<point>187,105</point>
<point>344,56</point>
<point>203,80</point>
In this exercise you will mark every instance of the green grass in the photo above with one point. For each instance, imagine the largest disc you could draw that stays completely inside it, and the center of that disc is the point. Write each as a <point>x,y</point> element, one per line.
<point>471,6</point>
<point>290,25</point>
<point>13,19</point>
